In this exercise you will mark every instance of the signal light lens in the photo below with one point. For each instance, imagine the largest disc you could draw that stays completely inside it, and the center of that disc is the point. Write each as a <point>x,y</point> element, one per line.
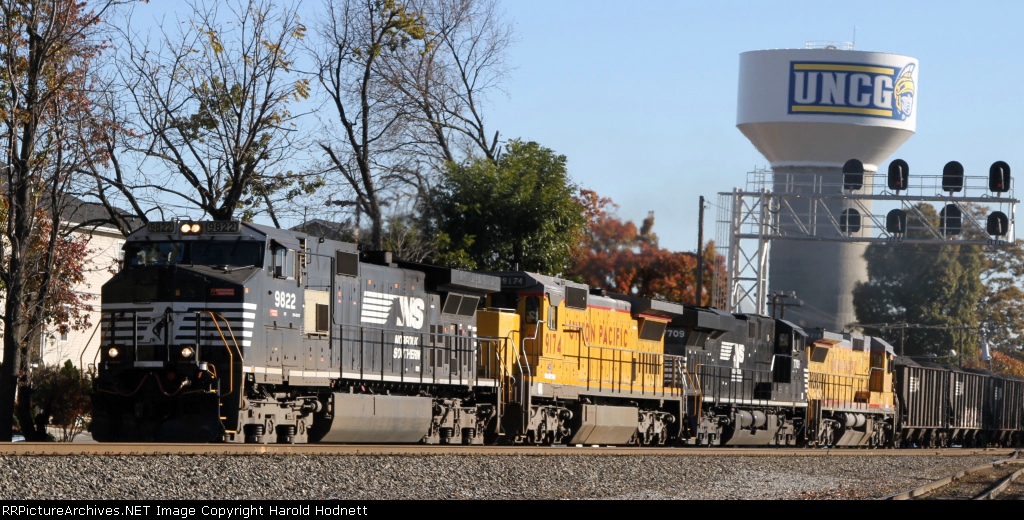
<point>899,175</point>
<point>999,177</point>
<point>896,222</point>
<point>853,175</point>
<point>998,224</point>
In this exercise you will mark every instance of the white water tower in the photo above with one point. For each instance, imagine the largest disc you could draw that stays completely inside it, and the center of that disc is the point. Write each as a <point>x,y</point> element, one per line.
<point>809,111</point>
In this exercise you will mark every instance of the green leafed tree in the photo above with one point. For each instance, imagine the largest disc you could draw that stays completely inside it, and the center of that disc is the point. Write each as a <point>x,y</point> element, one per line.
<point>521,211</point>
<point>1001,308</point>
<point>59,400</point>
<point>933,288</point>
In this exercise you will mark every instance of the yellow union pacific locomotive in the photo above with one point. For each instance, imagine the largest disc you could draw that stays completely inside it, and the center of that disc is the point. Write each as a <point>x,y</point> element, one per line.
<point>850,390</point>
<point>583,367</point>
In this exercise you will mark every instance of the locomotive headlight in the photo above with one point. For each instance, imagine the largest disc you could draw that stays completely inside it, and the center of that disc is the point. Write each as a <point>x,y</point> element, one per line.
<point>191,228</point>
<point>187,352</point>
<point>112,353</point>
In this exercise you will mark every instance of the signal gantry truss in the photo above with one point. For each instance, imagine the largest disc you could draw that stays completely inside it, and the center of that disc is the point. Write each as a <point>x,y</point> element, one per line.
<point>865,208</point>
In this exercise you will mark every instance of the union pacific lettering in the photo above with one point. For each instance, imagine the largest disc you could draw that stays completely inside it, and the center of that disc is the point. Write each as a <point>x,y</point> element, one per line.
<point>602,335</point>
<point>851,89</point>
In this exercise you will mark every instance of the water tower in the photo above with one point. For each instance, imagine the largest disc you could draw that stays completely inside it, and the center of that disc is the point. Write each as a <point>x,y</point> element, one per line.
<point>809,111</point>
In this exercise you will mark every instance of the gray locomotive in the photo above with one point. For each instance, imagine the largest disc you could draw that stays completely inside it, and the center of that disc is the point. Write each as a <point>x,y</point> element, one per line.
<point>235,332</point>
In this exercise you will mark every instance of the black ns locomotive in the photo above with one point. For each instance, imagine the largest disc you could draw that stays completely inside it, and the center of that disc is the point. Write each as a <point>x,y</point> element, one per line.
<point>235,332</point>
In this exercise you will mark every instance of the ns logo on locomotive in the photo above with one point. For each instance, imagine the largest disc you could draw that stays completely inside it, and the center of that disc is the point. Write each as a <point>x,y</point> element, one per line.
<point>237,332</point>
<point>852,89</point>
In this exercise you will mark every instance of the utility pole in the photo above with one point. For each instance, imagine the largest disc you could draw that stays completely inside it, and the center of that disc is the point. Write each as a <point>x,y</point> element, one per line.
<point>700,254</point>
<point>778,301</point>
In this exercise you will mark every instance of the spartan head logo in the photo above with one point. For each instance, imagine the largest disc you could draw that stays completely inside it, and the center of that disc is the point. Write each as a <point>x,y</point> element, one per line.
<point>904,91</point>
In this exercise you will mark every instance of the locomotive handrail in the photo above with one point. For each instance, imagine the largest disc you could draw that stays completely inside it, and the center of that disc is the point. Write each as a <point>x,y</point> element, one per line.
<point>500,345</point>
<point>695,382</point>
<point>109,333</point>
<point>522,350</point>
<point>497,355</point>
<point>529,372</point>
<point>834,389</point>
<point>81,356</point>
<point>463,345</point>
<point>699,391</point>
<point>619,361</point>
<point>231,355</point>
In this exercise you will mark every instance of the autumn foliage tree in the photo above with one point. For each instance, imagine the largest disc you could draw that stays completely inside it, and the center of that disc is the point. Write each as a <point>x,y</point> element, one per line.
<point>46,48</point>
<point>620,258</point>
<point>1001,363</point>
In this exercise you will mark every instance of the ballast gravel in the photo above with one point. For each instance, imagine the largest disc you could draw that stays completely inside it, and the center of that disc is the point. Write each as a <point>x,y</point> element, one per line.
<point>474,477</point>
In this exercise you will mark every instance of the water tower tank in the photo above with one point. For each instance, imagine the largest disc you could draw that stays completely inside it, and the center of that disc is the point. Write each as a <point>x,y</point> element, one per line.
<point>808,111</point>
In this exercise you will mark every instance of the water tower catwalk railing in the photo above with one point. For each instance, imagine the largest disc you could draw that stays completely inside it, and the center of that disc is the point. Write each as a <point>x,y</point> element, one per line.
<point>829,44</point>
<point>801,206</point>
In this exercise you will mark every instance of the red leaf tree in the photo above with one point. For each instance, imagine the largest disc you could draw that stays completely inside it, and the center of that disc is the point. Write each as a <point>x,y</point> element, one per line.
<point>49,134</point>
<point>620,258</point>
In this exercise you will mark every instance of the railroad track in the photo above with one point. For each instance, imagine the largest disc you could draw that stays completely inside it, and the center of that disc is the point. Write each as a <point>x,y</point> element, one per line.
<point>94,448</point>
<point>1000,480</point>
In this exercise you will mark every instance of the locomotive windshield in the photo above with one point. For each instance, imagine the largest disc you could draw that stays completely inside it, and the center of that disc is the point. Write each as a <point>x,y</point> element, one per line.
<point>213,253</point>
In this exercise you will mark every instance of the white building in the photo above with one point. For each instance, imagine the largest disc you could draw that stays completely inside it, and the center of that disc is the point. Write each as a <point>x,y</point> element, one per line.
<point>82,347</point>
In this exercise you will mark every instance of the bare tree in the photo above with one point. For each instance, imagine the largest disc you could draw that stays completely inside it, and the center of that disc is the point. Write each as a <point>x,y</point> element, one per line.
<point>46,47</point>
<point>366,155</point>
<point>448,78</point>
<point>108,181</point>
<point>211,103</point>
<point>406,80</point>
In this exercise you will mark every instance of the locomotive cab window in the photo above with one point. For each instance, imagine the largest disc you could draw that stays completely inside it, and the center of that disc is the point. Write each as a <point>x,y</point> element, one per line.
<point>460,305</point>
<point>284,262</point>
<point>552,317</point>
<point>784,343</point>
<point>226,253</point>
<point>503,300</point>
<point>154,253</point>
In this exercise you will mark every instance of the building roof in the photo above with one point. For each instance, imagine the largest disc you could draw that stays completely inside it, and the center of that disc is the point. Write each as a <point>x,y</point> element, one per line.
<point>90,216</point>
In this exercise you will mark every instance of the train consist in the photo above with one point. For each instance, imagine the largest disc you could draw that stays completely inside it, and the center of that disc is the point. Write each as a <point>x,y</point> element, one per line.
<point>235,332</point>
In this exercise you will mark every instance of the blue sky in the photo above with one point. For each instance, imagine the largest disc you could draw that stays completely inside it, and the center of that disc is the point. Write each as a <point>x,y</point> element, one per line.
<point>641,97</point>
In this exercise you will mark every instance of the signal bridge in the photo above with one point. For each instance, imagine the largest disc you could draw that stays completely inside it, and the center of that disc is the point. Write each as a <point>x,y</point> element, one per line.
<point>858,206</point>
